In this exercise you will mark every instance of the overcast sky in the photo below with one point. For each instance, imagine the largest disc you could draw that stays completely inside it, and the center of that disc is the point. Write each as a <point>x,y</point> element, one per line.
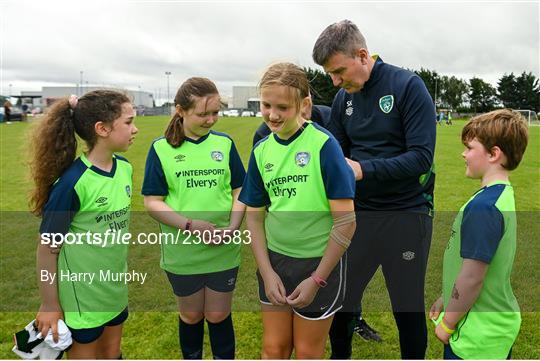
<point>133,43</point>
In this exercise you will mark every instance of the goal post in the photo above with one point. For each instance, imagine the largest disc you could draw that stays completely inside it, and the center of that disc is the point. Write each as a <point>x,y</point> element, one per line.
<point>530,116</point>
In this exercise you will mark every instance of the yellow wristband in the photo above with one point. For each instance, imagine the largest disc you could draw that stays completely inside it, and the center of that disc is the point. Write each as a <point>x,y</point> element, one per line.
<point>447,329</point>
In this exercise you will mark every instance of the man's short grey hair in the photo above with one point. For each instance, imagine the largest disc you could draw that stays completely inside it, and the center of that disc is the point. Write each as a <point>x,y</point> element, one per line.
<point>343,37</point>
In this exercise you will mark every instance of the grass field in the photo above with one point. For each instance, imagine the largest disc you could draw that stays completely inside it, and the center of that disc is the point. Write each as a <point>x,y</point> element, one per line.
<point>151,331</point>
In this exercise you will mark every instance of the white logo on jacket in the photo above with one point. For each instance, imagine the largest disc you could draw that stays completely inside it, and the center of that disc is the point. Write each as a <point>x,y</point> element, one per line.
<point>408,256</point>
<point>349,109</point>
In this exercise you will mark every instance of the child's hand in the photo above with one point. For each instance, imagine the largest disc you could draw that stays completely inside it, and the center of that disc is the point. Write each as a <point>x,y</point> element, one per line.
<point>274,289</point>
<point>303,294</point>
<point>442,335</point>
<point>436,309</point>
<point>223,234</point>
<point>200,225</point>
<point>47,318</point>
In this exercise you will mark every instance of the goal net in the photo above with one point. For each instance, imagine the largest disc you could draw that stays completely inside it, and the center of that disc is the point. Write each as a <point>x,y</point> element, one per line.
<point>530,116</point>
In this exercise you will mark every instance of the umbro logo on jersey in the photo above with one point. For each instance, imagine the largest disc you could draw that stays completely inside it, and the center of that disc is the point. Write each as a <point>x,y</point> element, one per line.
<point>101,201</point>
<point>217,155</point>
<point>180,158</point>
<point>268,167</point>
<point>302,158</point>
<point>128,191</point>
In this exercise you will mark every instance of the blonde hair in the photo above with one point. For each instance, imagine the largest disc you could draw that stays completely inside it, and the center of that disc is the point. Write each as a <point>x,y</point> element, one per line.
<point>289,75</point>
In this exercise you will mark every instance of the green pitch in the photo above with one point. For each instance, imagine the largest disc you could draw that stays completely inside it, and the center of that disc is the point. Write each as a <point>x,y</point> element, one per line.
<point>151,330</point>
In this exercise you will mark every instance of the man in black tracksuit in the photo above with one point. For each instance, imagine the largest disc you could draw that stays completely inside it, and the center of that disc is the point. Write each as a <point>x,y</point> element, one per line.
<point>384,120</point>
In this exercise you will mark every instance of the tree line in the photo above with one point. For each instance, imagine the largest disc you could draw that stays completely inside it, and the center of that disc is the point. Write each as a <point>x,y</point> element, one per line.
<point>448,92</point>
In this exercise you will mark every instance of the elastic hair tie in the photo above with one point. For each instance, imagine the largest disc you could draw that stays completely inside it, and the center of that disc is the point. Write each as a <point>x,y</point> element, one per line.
<point>73,100</point>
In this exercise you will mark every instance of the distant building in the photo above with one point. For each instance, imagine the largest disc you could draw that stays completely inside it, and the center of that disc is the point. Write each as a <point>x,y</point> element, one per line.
<point>254,104</point>
<point>32,98</point>
<point>51,93</point>
<point>242,95</point>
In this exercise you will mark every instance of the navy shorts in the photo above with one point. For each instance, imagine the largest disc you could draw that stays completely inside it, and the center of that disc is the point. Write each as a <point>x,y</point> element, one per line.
<point>292,271</point>
<point>186,285</point>
<point>87,335</point>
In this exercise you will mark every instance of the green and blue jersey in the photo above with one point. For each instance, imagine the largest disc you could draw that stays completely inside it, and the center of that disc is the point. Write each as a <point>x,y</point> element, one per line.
<point>196,180</point>
<point>88,199</point>
<point>485,230</point>
<point>295,178</point>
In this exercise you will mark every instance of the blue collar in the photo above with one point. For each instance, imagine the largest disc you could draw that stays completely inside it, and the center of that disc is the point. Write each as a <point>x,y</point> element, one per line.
<point>293,137</point>
<point>198,141</point>
<point>99,171</point>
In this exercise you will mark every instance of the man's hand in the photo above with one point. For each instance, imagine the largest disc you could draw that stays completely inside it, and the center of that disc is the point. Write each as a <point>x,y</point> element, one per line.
<point>356,168</point>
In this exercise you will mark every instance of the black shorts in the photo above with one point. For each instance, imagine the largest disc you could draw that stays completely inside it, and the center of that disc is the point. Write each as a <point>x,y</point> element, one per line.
<point>87,335</point>
<point>186,285</point>
<point>292,271</point>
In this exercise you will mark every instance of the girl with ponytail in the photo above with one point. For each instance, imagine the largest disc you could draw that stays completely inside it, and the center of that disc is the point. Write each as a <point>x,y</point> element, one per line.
<point>74,196</point>
<point>191,185</point>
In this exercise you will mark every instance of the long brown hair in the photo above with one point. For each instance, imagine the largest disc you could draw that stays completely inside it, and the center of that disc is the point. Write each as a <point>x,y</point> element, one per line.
<point>193,87</point>
<point>54,144</point>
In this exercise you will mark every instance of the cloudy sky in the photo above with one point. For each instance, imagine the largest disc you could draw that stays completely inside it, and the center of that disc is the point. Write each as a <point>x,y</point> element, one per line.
<point>133,43</point>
